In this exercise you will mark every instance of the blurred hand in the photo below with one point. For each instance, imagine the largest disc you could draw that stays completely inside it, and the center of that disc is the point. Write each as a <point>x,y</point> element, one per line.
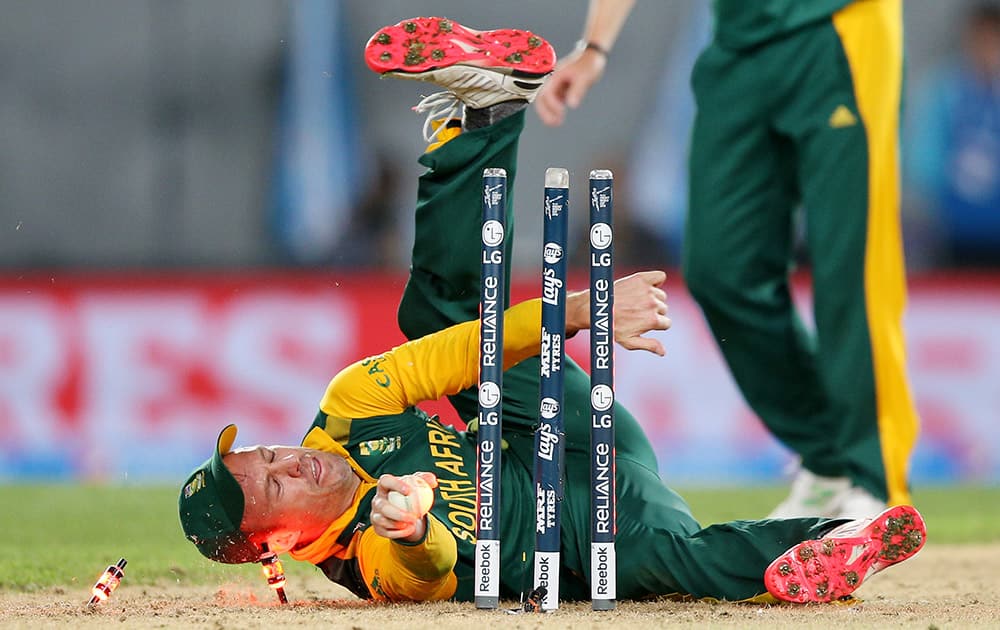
<point>392,522</point>
<point>568,84</point>
<point>640,306</point>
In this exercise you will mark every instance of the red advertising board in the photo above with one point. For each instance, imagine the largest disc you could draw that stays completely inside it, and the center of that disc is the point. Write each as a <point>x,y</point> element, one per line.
<point>130,377</point>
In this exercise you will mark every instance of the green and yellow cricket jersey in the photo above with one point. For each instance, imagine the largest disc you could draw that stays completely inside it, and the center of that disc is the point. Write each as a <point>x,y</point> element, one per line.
<point>368,416</point>
<point>743,24</point>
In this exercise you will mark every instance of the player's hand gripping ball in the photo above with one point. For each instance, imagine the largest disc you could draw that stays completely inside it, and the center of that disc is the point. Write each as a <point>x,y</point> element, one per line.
<point>420,499</point>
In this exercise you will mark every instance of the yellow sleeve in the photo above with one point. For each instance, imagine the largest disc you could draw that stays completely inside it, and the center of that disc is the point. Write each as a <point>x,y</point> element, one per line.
<point>398,572</point>
<point>445,362</point>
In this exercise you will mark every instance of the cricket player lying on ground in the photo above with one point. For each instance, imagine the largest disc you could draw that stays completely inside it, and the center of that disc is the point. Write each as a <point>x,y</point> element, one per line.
<point>326,501</point>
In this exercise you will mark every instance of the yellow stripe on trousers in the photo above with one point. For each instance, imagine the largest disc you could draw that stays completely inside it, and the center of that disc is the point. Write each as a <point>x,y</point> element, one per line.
<point>871,32</point>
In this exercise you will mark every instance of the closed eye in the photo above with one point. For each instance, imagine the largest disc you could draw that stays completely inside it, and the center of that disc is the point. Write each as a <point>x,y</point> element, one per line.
<point>273,486</point>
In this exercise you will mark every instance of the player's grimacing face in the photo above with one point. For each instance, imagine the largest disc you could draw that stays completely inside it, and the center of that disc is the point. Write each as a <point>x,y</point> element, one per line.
<point>291,488</point>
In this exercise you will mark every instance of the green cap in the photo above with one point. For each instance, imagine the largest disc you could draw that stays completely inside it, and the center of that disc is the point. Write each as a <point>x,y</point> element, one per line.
<point>211,508</point>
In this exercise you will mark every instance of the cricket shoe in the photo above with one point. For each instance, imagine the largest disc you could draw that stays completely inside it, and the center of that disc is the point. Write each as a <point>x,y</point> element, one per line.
<point>813,495</point>
<point>859,503</point>
<point>833,566</point>
<point>481,68</point>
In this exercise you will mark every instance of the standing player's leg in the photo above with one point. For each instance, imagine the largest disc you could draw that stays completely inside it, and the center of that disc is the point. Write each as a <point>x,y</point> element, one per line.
<point>850,183</point>
<point>738,249</point>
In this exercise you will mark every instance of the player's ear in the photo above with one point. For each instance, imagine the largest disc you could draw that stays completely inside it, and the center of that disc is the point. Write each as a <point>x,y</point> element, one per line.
<point>283,541</point>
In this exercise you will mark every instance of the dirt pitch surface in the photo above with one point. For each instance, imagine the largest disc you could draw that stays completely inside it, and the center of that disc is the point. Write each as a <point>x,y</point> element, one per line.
<point>942,587</point>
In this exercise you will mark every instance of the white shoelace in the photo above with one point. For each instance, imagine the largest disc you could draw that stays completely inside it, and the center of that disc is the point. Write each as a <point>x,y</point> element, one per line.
<point>437,106</point>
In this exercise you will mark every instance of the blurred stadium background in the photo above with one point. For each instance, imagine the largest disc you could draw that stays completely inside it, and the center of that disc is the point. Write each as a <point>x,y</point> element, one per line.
<point>205,213</point>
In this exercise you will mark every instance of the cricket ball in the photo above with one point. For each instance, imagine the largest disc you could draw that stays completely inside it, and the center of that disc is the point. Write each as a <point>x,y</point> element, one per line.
<point>420,499</point>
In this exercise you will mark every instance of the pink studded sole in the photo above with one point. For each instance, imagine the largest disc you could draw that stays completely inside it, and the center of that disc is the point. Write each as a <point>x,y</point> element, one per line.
<point>425,43</point>
<point>833,567</point>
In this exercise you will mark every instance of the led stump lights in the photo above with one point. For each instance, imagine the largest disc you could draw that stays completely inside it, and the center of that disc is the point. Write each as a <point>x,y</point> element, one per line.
<point>107,583</point>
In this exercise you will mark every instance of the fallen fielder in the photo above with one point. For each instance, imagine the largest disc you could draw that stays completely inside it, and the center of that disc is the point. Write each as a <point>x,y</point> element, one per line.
<point>326,501</point>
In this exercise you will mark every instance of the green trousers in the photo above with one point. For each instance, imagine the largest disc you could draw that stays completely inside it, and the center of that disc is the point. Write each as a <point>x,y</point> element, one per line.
<point>809,119</point>
<point>661,547</point>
